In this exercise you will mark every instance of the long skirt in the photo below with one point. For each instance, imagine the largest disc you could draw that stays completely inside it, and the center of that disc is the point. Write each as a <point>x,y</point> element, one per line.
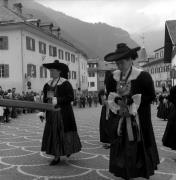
<point>107,127</point>
<point>55,141</point>
<point>163,111</point>
<point>170,131</point>
<point>131,159</point>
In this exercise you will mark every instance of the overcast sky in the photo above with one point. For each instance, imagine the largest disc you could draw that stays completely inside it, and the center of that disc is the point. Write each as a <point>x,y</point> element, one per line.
<point>135,16</point>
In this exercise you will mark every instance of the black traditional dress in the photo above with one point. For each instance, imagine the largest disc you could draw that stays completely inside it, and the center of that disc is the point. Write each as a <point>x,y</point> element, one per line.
<point>163,107</point>
<point>134,153</point>
<point>170,131</point>
<point>60,135</point>
<point>106,125</point>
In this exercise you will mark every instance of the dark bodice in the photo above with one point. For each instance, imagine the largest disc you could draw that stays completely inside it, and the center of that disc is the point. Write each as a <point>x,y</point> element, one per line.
<point>63,92</point>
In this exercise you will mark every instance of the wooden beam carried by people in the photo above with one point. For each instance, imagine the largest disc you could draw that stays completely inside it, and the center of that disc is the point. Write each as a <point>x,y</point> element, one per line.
<point>27,104</point>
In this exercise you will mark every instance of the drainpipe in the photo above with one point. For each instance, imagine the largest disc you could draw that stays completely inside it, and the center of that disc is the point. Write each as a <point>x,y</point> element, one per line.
<point>22,63</point>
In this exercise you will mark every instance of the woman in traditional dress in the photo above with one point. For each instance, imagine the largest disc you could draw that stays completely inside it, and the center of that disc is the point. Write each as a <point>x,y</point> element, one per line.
<point>163,107</point>
<point>170,131</point>
<point>60,137</point>
<point>106,124</point>
<point>133,153</point>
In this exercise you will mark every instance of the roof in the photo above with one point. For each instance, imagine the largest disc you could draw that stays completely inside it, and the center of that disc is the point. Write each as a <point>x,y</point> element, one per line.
<point>104,66</point>
<point>93,60</point>
<point>170,40</point>
<point>153,62</point>
<point>7,15</point>
<point>158,49</point>
<point>171,26</point>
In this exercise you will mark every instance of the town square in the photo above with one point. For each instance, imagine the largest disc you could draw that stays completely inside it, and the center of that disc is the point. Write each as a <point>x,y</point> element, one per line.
<point>87,90</point>
<point>21,158</point>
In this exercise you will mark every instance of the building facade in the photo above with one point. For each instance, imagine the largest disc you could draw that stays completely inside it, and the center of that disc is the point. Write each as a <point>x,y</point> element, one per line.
<point>170,47</point>
<point>159,70</point>
<point>92,75</point>
<point>25,45</point>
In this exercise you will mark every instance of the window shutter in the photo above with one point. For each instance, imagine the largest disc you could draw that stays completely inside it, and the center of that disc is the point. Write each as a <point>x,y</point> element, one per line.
<point>45,72</point>
<point>41,72</point>
<point>40,47</point>
<point>27,43</point>
<point>6,70</point>
<point>5,42</point>
<point>44,48</point>
<point>54,52</point>
<point>33,44</point>
<point>28,69</point>
<point>69,75</point>
<point>50,49</point>
<point>34,71</point>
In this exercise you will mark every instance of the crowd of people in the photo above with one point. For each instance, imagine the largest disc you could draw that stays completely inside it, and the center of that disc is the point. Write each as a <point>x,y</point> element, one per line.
<point>125,120</point>
<point>7,113</point>
<point>83,101</point>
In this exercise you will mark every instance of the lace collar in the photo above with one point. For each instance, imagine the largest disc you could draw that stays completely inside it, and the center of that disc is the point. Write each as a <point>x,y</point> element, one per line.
<point>134,74</point>
<point>61,80</point>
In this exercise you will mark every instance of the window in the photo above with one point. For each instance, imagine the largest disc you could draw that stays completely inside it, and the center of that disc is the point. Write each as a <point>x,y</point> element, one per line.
<point>157,55</point>
<point>91,74</point>
<point>42,47</point>
<point>73,58</point>
<point>167,68</point>
<point>31,70</point>
<point>161,53</point>
<point>3,42</point>
<point>61,54</point>
<point>67,56</point>
<point>43,72</point>
<point>73,75</point>
<point>30,43</point>
<point>92,84</point>
<point>101,74</point>
<point>92,65</point>
<point>4,70</point>
<point>52,51</point>
<point>69,75</point>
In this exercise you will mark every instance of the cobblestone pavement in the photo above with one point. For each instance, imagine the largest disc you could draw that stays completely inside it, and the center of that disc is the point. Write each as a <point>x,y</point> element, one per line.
<point>21,159</point>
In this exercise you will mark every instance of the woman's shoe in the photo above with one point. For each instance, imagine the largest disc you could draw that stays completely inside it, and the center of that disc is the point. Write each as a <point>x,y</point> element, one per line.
<point>54,162</point>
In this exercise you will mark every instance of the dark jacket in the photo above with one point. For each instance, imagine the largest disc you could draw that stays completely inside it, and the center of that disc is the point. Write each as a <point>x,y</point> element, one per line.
<point>65,95</point>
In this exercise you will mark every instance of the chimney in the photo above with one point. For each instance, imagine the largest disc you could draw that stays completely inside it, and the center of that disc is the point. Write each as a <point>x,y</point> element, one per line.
<point>34,21</point>
<point>47,26</point>
<point>56,31</point>
<point>18,8</point>
<point>4,3</point>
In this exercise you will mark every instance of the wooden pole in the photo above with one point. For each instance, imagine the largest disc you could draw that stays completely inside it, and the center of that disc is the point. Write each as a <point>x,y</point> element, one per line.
<point>27,104</point>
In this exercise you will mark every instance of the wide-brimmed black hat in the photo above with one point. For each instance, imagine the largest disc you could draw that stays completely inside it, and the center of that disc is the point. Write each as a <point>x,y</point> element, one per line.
<point>121,52</point>
<point>57,65</point>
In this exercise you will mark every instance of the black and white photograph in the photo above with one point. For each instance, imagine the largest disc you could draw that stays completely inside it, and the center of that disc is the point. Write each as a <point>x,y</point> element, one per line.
<point>87,89</point>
